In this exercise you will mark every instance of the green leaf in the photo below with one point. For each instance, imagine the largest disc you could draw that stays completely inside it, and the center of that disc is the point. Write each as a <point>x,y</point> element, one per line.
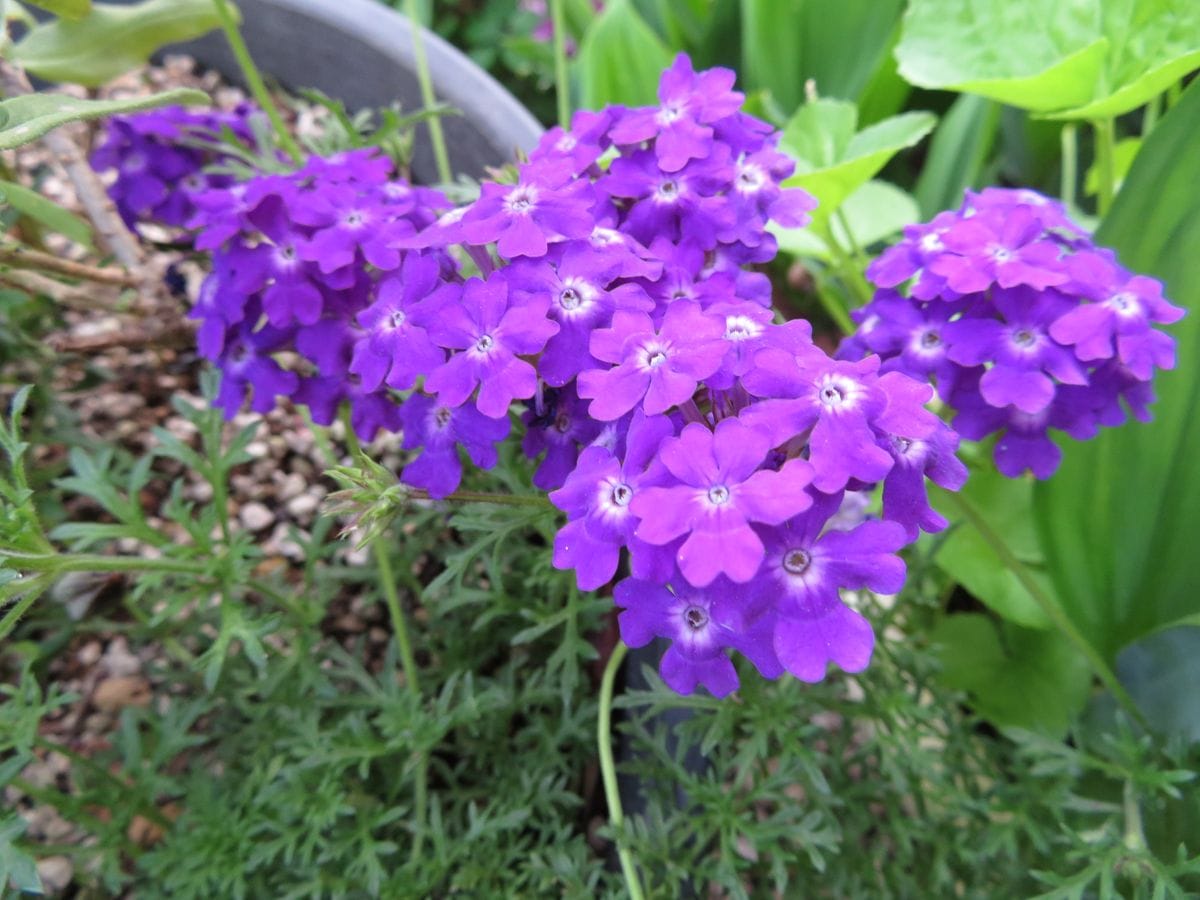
<point>66,9</point>
<point>958,154</point>
<point>966,556</point>
<point>1124,153</point>
<point>1017,677</point>
<point>46,212</point>
<point>875,212</point>
<point>28,117</point>
<point>620,59</point>
<point>1159,672</point>
<point>833,159</point>
<point>16,866</point>
<point>111,40</point>
<point>1076,59</point>
<point>1118,521</point>
<point>785,43</point>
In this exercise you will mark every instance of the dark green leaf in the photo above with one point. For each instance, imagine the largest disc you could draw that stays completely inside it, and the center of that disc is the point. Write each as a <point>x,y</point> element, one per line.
<point>957,154</point>
<point>27,118</point>
<point>1160,672</point>
<point>620,59</point>
<point>46,212</point>
<point>1017,677</point>
<point>1118,521</point>
<point>112,39</point>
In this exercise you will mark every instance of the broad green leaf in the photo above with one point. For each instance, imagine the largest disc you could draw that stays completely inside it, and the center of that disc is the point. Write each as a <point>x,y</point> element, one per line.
<point>28,117</point>
<point>967,557</point>
<point>958,153</point>
<point>1160,673</point>
<point>1076,59</point>
<point>1118,521</point>
<point>46,212</point>
<point>17,867</point>
<point>875,212</point>
<point>785,43</point>
<point>66,9</point>
<point>833,159</point>
<point>111,40</point>
<point>620,59</point>
<point>1017,677</point>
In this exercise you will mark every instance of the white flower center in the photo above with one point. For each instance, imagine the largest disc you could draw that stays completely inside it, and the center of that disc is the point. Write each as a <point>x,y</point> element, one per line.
<point>521,199</point>
<point>741,328</point>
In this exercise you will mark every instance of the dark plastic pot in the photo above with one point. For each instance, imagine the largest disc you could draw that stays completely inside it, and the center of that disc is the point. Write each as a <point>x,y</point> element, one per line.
<point>361,53</point>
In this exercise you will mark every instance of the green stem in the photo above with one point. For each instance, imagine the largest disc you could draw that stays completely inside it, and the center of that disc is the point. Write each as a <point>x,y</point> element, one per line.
<point>1070,158</point>
<point>436,137</point>
<point>850,274</point>
<point>1135,835</point>
<point>254,79</point>
<point>1150,115</point>
<point>856,252</point>
<point>1105,134</point>
<point>562,89</point>
<point>608,769</point>
<point>97,562</point>
<point>1049,606</point>
<point>496,499</point>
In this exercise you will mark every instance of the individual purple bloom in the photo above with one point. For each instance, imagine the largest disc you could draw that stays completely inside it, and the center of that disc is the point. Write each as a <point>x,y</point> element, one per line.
<point>656,368</point>
<point>395,347</point>
<point>1024,358</point>
<point>690,102</point>
<point>559,430</point>
<point>370,412</point>
<point>548,204</point>
<point>910,259</point>
<point>718,489</point>
<point>1051,213</point>
<point>684,205</point>
<point>905,499</point>
<point>805,568</point>
<point>1119,318</point>
<point>491,330</point>
<point>1007,249</point>
<point>581,295</point>
<point>345,222</point>
<point>756,197</point>
<point>700,627</point>
<point>596,497</point>
<point>842,406</point>
<point>246,363</point>
<point>749,329</point>
<point>583,144</point>
<point>439,431</point>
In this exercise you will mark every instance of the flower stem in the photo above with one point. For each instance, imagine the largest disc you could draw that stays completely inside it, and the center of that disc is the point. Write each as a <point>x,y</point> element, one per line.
<point>254,79</point>
<point>1105,134</point>
<point>562,89</point>
<point>428,98</point>
<point>1070,157</point>
<point>1049,606</point>
<point>608,771</point>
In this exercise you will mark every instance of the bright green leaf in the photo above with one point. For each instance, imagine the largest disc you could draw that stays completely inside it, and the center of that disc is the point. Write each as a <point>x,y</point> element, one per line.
<point>1077,59</point>
<point>833,159</point>
<point>112,39</point>
<point>46,212</point>
<point>1006,505</point>
<point>1017,677</point>
<point>620,59</point>
<point>1118,521</point>
<point>875,212</point>
<point>28,117</point>
<point>1124,154</point>
<point>66,9</point>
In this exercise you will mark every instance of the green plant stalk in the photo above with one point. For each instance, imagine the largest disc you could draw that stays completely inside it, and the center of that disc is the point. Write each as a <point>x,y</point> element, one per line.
<point>608,769</point>
<point>98,562</point>
<point>1150,115</point>
<point>562,88</point>
<point>1105,134</point>
<point>848,271</point>
<point>1053,611</point>
<point>436,136</point>
<point>1070,161</point>
<point>254,79</point>
<point>408,661</point>
<point>1134,837</point>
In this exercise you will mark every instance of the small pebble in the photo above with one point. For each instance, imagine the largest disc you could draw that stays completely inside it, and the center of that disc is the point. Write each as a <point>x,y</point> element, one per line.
<point>56,873</point>
<point>254,516</point>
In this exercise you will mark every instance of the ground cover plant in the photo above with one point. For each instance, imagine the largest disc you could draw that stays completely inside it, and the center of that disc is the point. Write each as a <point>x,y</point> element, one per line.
<point>333,593</point>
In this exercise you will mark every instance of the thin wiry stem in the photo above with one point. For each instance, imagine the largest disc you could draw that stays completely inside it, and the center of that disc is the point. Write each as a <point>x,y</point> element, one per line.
<point>608,769</point>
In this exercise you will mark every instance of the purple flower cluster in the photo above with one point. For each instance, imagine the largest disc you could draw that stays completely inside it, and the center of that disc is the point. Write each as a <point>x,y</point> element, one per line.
<point>1021,321</point>
<point>602,299</point>
<point>160,156</point>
